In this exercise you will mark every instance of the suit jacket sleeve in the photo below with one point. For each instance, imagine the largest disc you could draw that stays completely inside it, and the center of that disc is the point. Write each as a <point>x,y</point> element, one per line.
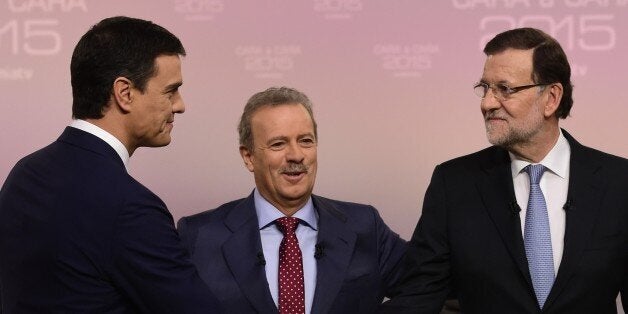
<point>425,284</point>
<point>188,237</point>
<point>150,263</point>
<point>391,252</point>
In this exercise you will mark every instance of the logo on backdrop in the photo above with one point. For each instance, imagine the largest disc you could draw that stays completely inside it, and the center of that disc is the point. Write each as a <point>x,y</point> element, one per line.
<point>268,61</point>
<point>26,34</point>
<point>199,10</point>
<point>337,9</point>
<point>582,25</point>
<point>406,61</point>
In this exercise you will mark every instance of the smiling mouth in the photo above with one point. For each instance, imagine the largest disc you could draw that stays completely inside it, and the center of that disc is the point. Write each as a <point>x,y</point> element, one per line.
<point>494,119</point>
<point>293,177</point>
<point>293,173</point>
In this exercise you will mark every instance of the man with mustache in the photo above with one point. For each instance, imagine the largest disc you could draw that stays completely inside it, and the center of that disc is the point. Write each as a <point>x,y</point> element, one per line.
<point>537,223</point>
<point>342,258</point>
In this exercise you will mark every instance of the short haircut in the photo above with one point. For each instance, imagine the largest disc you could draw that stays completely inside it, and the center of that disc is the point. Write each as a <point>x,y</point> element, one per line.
<point>273,96</point>
<point>549,62</point>
<point>116,47</point>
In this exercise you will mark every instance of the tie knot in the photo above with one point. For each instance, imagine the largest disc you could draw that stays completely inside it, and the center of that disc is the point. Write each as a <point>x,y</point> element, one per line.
<point>287,225</point>
<point>535,172</point>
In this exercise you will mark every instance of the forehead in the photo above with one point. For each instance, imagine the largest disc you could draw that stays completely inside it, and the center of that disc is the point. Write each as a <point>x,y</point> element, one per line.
<point>282,119</point>
<point>508,66</point>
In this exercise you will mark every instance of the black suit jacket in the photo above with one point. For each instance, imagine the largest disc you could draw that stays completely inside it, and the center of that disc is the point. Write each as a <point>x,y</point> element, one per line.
<point>468,240</point>
<point>356,269</point>
<point>80,235</point>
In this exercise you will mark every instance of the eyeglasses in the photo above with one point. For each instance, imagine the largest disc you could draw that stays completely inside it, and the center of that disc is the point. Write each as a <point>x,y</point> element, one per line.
<point>500,91</point>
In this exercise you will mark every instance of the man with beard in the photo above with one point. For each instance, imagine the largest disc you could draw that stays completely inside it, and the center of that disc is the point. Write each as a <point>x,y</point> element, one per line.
<point>537,223</point>
<point>342,258</point>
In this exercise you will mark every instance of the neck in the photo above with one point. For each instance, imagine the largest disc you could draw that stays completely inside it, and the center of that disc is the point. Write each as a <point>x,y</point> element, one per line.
<point>535,149</point>
<point>290,209</point>
<point>287,207</point>
<point>115,128</point>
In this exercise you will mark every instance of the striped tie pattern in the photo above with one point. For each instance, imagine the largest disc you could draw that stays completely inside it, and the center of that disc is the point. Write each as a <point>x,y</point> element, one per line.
<point>537,238</point>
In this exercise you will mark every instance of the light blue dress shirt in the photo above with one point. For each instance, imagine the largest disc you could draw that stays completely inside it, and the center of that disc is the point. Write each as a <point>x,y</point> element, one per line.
<point>271,238</point>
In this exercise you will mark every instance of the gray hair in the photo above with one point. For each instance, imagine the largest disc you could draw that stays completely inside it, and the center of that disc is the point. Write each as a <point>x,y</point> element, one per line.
<point>273,96</point>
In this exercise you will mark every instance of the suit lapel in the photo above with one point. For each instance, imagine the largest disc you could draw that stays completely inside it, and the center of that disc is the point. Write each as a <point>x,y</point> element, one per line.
<point>497,192</point>
<point>241,254</point>
<point>338,242</point>
<point>582,208</point>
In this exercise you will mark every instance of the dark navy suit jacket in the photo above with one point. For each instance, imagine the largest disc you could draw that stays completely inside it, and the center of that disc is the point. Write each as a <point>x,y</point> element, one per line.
<point>80,235</point>
<point>469,239</point>
<point>358,264</point>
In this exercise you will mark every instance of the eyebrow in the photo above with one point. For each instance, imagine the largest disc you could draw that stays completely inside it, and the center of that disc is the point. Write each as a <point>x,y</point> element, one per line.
<point>502,82</point>
<point>285,138</point>
<point>277,138</point>
<point>306,135</point>
<point>172,87</point>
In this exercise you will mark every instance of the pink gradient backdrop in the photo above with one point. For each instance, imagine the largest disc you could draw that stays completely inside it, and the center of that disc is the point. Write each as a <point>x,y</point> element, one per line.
<point>390,81</point>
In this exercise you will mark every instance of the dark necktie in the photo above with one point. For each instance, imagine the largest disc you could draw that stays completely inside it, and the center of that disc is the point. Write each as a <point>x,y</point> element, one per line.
<point>537,237</point>
<point>291,290</point>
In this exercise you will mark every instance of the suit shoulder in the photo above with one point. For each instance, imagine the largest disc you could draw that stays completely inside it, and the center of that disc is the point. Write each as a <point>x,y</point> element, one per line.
<point>343,205</point>
<point>476,158</point>
<point>605,158</point>
<point>215,214</point>
<point>351,212</point>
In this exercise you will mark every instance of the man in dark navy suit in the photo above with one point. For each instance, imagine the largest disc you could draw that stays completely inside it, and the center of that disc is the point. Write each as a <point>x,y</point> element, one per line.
<point>347,257</point>
<point>77,233</point>
<point>536,223</point>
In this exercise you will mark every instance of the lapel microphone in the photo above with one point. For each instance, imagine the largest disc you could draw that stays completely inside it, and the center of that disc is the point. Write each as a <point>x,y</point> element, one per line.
<point>568,206</point>
<point>261,261</point>
<point>319,250</point>
<point>514,207</point>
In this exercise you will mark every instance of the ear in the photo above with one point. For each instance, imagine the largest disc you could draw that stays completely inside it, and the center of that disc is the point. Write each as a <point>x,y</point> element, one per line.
<point>122,93</point>
<point>247,157</point>
<point>555,94</point>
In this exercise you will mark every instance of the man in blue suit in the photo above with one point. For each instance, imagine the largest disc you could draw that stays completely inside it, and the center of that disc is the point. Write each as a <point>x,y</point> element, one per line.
<point>348,257</point>
<point>77,233</point>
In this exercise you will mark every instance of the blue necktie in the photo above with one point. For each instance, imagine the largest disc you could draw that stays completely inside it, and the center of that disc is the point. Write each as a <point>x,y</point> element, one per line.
<point>537,238</point>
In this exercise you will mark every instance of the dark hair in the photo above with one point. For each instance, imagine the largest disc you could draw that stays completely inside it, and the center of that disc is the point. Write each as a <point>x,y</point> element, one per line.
<point>116,47</point>
<point>549,62</point>
<point>273,96</point>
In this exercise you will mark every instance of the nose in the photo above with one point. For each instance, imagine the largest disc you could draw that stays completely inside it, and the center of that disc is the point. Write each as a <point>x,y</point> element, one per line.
<point>489,102</point>
<point>294,153</point>
<point>178,106</point>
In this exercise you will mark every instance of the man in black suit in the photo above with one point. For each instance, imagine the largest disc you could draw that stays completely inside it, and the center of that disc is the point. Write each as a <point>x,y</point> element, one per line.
<point>537,223</point>
<point>347,259</point>
<point>77,233</point>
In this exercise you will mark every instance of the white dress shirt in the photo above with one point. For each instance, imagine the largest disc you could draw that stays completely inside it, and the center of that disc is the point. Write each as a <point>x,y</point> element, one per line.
<point>105,136</point>
<point>554,184</point>
<point>307,233</point>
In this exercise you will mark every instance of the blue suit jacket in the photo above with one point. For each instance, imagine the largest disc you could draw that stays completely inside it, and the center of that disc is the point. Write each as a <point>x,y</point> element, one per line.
<point>469,239</point>
<point>78,234</point>
<point>358,265</point>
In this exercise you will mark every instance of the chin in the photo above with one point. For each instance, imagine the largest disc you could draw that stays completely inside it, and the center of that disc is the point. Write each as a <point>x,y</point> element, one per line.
<point>161,143</point>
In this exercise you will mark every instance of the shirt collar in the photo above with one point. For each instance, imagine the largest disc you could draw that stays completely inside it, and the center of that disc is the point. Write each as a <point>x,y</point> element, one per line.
<point>105,136</point>
<point>557,160</point>
<point>267,213</point>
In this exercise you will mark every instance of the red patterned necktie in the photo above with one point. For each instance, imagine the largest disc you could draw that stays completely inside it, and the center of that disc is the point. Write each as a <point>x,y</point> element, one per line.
<point>291,290</point>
